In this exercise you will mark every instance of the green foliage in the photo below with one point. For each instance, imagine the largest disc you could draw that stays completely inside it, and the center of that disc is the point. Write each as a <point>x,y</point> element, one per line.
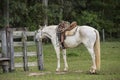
<point>53,14</point>
<point>22,15</point>
<point>35,16</point>
<point>1,22</point>
<point>18,11</point>
<point>97,13</point>
<point>89,18</point>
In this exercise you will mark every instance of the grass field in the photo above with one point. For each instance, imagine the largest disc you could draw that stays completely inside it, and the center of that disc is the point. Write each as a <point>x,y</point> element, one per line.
<point>79,62</point>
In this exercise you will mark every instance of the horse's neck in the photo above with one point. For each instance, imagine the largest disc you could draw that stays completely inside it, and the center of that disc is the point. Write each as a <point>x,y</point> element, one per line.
<point>49,32</point>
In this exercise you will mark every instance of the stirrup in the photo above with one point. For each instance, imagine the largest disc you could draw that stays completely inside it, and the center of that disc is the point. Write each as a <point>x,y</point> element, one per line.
<point>63,46</point>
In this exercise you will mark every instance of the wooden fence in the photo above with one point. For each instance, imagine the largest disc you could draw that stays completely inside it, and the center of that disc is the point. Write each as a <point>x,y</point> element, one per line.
<point>11,44</point>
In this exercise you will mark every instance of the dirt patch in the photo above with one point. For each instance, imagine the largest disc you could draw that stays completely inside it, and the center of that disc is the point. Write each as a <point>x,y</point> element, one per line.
<point>60,72</point>
<point>38,74</point>
<point>79,71</point>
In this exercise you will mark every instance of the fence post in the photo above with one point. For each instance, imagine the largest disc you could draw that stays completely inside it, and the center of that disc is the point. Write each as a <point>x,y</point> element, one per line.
<point>4,49</point>
<point>103,32</point>
<point>10,45</point>
<point>24,48</point>
<point>39,55</point>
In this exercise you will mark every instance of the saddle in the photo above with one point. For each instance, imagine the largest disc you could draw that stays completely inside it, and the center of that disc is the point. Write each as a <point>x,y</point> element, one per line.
<point>63,30</point>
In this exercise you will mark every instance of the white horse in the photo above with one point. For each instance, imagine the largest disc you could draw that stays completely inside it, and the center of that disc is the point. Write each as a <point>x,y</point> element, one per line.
<point>83,34</point>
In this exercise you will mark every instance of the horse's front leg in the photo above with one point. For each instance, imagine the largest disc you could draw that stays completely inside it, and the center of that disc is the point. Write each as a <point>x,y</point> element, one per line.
<point>65,60</point>
<point>57,49</point>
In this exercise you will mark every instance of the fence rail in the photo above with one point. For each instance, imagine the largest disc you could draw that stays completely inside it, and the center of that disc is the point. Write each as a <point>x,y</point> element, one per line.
<point>29,64</point>
<point>18,34</point>
<point>20,54</point>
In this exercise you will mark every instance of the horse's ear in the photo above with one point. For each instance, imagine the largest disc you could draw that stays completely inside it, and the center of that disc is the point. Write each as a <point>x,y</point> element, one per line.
<point>40,27</point>
<point>45,25</point>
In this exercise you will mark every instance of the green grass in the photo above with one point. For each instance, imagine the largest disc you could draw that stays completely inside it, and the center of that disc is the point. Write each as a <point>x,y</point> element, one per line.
<point>79,62</point>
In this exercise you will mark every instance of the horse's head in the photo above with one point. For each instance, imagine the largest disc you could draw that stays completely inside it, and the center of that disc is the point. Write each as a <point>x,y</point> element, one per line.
<point>39,35</point>
<point>46,31</point>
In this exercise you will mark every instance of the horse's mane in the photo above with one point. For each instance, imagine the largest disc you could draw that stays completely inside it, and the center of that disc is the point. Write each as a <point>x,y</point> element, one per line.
<point>52,26</point>
<point>50,29</point>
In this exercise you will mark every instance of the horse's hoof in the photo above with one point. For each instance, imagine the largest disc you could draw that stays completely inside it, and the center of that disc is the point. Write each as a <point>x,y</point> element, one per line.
<point>65,70</point>
<point>57,70</point>
<point>93,71</point>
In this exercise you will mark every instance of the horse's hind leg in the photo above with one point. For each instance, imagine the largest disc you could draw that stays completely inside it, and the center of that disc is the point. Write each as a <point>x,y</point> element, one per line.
<point>90,48</point>
<point>93,68</point>
<point>65,60</point>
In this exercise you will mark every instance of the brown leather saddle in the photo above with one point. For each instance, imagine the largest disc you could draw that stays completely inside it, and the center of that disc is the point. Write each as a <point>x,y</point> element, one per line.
<point>61,30</point>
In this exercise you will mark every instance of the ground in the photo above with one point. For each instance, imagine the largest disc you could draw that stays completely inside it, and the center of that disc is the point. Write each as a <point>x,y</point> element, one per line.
<point>79,62</point>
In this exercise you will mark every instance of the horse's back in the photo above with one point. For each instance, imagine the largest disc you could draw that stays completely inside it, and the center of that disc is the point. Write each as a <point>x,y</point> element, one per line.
<point>86,30</point>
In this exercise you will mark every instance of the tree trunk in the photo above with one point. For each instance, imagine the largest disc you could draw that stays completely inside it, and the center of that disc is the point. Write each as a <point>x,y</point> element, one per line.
<point>61,11</point>
<point>45,3</point>
<point>6,13</point>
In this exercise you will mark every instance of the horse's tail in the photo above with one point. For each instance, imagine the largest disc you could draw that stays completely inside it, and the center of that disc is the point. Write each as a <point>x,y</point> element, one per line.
<point>97,50</point>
